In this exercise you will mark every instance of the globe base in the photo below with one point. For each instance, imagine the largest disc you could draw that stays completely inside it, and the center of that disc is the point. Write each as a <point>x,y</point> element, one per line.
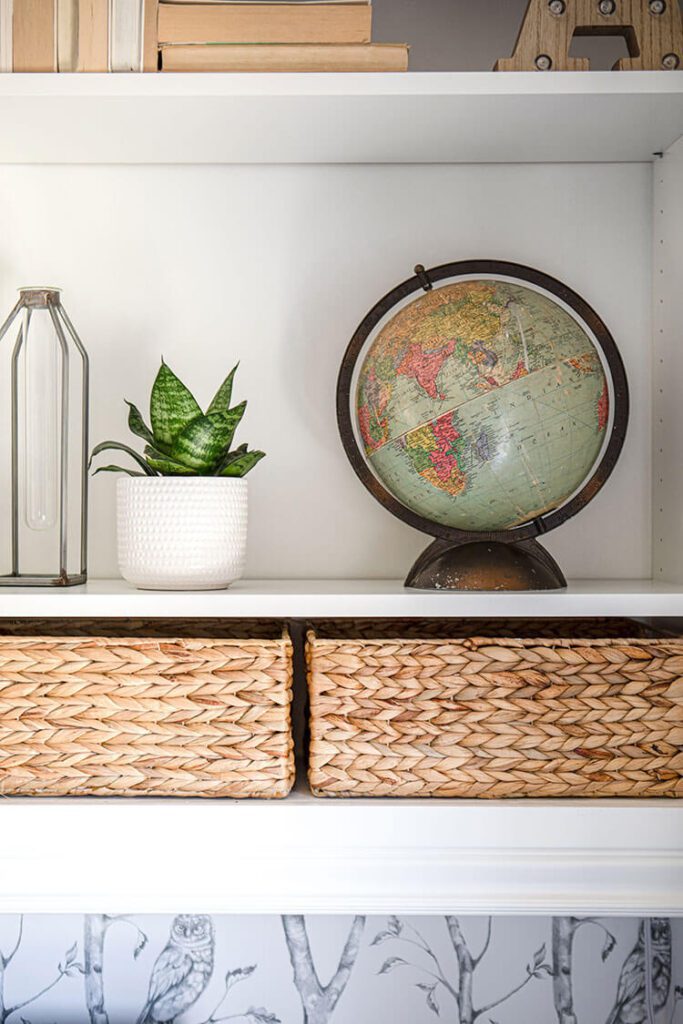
<point>485,565</point>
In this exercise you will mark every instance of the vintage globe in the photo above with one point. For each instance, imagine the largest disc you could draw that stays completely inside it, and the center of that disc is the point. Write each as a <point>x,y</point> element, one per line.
<point>482,405</point>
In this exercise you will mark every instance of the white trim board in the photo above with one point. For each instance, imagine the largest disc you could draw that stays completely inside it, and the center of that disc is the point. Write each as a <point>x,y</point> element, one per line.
<point>328,856</point>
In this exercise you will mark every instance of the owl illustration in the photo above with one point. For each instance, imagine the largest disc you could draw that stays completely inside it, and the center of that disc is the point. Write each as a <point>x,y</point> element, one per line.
<point>182,970</point>
<point>631,1005</point>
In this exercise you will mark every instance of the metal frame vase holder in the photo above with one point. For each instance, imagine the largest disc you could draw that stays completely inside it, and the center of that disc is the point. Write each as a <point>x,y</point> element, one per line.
<point>48,399</point>
<point>465,559</point>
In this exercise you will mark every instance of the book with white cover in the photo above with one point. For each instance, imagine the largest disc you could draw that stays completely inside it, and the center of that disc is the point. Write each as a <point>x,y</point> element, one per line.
<point>5,35</point>
<point>125,35</point>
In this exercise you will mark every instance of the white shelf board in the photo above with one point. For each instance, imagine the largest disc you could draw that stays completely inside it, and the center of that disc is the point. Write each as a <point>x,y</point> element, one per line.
<point>303,855</point>
<point>444,117</point>
<point>342,598</point>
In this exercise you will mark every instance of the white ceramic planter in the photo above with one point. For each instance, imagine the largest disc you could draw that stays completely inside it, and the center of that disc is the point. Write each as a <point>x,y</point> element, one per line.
<point>181,533</point>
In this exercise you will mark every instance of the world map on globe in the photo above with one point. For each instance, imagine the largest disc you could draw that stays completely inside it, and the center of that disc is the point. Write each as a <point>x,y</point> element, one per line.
<point>482,405</point>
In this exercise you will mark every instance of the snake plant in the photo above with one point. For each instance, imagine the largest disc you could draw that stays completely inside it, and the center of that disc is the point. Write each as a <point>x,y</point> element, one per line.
<point>183,440</point>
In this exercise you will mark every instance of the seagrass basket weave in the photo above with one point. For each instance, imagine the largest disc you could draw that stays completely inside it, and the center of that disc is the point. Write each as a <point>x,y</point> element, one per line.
<point>164,708</point>
<point>495,709</point>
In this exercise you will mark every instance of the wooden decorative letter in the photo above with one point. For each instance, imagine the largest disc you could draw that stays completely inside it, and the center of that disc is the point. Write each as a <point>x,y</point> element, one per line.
<point>653,30</point>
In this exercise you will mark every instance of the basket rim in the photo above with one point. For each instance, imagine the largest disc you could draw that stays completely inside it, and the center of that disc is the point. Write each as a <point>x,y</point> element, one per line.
<point>493,641</point>
<point>284,641</point>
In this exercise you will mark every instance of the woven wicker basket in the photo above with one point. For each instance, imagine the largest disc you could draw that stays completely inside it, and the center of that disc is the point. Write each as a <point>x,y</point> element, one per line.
<point>540,709</point>
<point>132,708</point>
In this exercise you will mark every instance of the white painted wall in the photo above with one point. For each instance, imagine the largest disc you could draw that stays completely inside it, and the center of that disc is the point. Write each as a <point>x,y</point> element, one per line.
<point>668,366</point>
<point>276,266</point>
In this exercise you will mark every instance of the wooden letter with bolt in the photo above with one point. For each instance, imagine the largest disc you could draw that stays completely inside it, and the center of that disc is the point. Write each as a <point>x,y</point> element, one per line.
<point>653,30</point>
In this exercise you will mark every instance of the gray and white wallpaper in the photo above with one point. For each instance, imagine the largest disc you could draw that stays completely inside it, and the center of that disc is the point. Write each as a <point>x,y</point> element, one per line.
<point>196,969</point>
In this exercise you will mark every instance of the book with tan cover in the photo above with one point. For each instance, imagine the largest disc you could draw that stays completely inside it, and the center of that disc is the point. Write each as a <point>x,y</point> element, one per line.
<point>279,3</point>
<point>34,47</point>
<point>264,23</point>
<point>286,57</point>
<point>93,35</point>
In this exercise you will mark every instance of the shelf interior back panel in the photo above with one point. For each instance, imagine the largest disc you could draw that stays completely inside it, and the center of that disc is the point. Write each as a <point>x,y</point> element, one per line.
<point>275,267</point>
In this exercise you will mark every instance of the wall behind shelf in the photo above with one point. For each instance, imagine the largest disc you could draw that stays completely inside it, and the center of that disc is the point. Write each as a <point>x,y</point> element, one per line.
<point>470,35</point>
<point>371,995</point>
<point>275,266</point>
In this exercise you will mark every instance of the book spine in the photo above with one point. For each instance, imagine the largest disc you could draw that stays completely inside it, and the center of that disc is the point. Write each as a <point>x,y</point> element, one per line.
<point>34,45</point>
<point>5,35</point>
<point>264,23</point>
<point>125,35</point>
<point>283,58</point>
<point>150,36</point>
<point>67,35</point>
<point>93,35</point>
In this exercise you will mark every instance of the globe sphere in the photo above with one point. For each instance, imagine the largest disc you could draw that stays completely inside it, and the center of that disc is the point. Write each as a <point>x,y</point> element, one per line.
<point>482,405</point>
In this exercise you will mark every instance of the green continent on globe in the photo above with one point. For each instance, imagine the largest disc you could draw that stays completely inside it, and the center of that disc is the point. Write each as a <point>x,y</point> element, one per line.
<point>482,405</point>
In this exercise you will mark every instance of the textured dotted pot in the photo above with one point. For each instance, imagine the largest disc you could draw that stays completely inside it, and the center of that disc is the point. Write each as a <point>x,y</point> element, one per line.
<point>181,533</point>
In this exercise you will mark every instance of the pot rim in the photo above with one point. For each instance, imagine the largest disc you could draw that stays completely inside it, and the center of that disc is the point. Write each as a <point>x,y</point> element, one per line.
<point>230,481</point>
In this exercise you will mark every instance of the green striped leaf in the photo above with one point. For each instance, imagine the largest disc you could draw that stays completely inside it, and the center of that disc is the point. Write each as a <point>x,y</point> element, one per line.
<point>230,457</point>
<point>233,418</point>
<point>137,425</point>
<point>165,465</point>
<point>172,407</point>
<point>221,400</point>
<point>106,446</point>
<point>117,469</point>
<point>202,444</point>
<point>241,465</point>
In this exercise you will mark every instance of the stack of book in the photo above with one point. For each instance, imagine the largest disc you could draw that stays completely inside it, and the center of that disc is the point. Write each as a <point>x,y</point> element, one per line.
<point>71,35</point>
<point>243,35</point>
<point>193,35</point>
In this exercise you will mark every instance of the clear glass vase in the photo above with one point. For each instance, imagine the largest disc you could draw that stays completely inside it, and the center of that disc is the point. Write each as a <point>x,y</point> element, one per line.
<point>45,454</point>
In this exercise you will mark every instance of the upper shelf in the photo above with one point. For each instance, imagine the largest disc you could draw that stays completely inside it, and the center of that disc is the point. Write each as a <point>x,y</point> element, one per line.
<point>333,118</point>
<point>293,599</point>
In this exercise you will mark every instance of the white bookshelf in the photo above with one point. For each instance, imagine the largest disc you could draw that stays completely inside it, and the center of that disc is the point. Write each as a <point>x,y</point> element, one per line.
<point>297,599</point>
<point>431,117</point>
<point>559,171</point>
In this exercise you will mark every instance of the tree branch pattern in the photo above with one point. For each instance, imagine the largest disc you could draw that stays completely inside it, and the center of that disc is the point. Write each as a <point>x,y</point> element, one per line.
<point>450,963</point>
<point>319,1001</point>
<point>462,990</point>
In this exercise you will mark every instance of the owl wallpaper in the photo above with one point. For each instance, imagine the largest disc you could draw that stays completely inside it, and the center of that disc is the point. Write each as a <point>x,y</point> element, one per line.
<point>198,969</point>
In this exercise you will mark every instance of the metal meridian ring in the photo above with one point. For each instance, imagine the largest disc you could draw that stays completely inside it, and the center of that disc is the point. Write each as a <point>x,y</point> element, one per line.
<point>467,268</point>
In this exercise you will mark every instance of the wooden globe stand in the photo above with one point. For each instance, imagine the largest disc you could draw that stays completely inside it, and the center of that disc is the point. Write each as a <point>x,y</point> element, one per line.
<point>485,565</point>
<point>498,560</point>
